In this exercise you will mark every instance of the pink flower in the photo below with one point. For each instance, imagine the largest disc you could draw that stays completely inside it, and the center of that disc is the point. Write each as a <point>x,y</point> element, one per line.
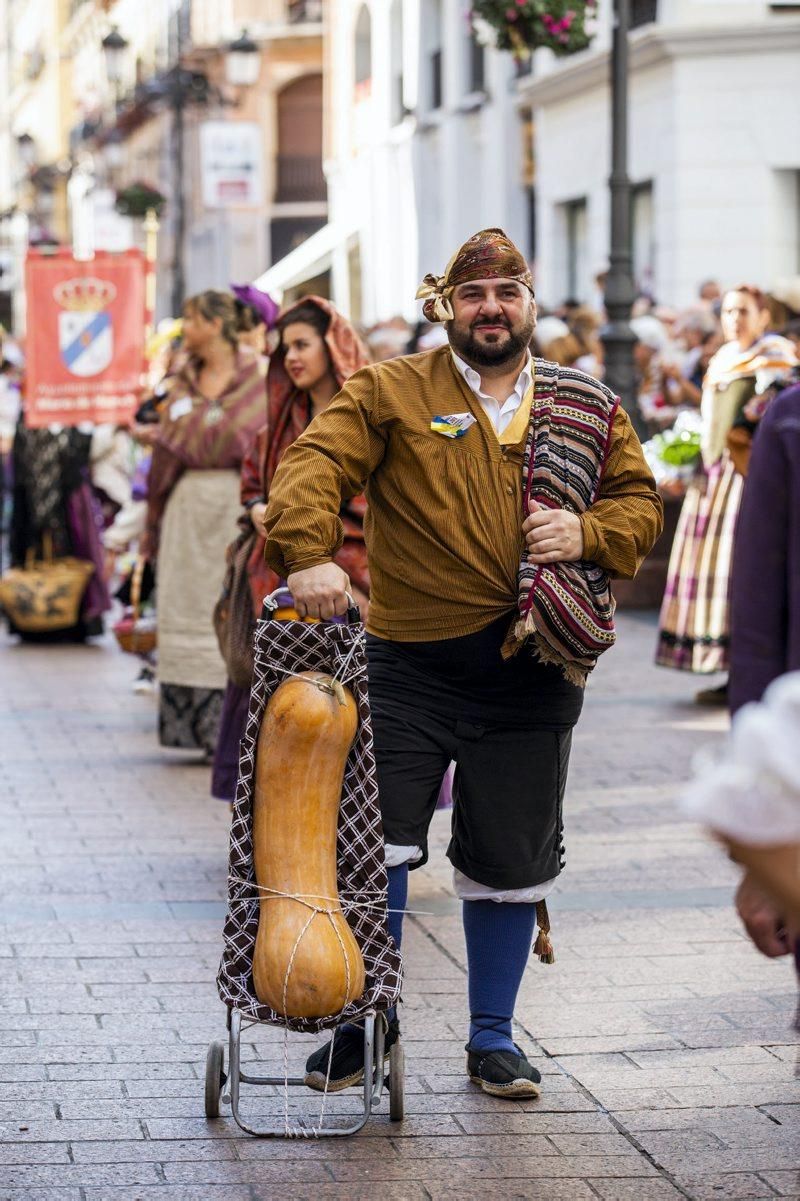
<point>521,3</point>
<point>511,14</point>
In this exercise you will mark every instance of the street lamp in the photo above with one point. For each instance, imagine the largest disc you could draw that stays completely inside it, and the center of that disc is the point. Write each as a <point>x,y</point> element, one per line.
<point>242,61</point>
<point>114,47</point>
<point>617,336</point>
<point>181,87</point>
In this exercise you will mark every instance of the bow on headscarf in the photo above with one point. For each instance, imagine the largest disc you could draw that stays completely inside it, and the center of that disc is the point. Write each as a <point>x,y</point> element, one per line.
<point>488,254</point>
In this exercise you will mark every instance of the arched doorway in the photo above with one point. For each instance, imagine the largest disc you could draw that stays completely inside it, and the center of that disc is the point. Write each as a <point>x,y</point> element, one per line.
<point>300,176</point>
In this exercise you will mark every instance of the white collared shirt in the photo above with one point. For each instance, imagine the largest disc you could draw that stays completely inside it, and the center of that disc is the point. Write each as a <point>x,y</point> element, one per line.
<point>499,414</point>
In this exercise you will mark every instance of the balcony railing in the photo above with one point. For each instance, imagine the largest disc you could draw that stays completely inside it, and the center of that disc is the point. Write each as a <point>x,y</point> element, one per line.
<point>300,179</point>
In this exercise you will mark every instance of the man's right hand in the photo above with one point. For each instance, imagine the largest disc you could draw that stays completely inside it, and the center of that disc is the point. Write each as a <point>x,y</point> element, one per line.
<point>319,591</point>
<point>761,919</point>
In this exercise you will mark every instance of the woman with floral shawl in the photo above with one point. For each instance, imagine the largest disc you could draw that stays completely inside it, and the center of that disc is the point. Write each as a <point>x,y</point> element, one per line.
<point>694,623</point>
<point>318,351</point>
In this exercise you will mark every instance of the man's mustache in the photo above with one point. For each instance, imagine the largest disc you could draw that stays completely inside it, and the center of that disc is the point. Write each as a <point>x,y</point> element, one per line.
<point>500,321</point>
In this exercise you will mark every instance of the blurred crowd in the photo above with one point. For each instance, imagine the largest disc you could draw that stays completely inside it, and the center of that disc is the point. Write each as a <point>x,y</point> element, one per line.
<point>178,496</point>
<point>166,518</point>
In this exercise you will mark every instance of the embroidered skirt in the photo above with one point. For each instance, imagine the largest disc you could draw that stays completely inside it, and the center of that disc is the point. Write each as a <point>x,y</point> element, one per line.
<point>694,626</point>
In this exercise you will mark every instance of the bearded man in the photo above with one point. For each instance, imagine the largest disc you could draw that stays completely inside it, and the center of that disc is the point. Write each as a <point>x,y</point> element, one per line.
<point>437,441</point>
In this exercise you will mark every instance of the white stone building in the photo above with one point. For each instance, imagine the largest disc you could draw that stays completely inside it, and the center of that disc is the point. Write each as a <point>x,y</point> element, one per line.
<point>424,145</point>
<point>714,149</point>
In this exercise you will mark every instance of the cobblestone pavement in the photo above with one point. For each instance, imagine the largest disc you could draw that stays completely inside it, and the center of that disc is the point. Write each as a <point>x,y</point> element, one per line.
<point>665,1041</point>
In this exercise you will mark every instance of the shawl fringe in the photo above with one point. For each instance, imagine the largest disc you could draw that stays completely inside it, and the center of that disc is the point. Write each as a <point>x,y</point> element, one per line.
<point>525,629</point>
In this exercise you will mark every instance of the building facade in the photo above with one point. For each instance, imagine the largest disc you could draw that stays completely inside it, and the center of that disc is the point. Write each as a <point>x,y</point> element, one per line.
<point>424,144</point>
<point>714,119</point>
<point>238,169</point>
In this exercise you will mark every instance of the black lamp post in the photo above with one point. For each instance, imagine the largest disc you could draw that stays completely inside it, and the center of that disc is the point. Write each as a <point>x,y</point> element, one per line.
<point>617,336</point>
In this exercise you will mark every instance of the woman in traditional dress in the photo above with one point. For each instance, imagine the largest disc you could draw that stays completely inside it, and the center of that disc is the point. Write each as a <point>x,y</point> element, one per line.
<point>318,351</point>
<point>694,622</point>
<point>57,512</point>
<point>212,413</point>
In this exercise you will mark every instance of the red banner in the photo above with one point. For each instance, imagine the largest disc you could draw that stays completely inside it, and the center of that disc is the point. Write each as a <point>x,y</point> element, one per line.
<point>84,345</point>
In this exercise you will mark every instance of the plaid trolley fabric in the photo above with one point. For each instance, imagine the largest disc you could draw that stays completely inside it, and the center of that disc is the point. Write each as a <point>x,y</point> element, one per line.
<point>283,648</point>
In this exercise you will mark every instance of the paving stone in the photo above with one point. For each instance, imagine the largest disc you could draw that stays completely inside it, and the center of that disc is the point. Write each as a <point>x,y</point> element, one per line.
<point>545,1190</point>
<point>730,1186</point>
<point>150,1151</point>
<point>500,1166</point>
<point>785,1184</point>
<point>642,1189</point>
<point>168,1192</point>
<point>247,1172</point>
<point>40,1194</point>
<point>593,1144</point>
<point>332,1192</point>
<point>53,1131</point>
<point>14,1152</point>
<point>533,1122</point>
<point>78,1175</point>
<point>22,1109</point>
<point>657,1009</point>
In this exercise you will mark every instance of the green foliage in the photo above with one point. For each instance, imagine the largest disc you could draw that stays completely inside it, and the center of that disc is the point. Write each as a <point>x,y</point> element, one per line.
<point>521,26</point>
<point>137,198</point>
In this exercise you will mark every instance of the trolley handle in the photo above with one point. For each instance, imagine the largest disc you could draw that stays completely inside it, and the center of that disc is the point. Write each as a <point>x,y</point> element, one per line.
<point>271,606</point>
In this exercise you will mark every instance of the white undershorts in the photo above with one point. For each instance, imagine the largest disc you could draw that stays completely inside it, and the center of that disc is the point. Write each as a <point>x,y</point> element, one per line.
<point>470,890</point>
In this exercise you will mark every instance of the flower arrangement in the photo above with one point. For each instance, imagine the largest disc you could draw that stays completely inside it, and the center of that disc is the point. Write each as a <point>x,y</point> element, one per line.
<point>521,26</point>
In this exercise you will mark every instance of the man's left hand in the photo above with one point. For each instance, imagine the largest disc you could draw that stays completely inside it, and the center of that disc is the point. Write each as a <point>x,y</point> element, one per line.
<point>552,535</point>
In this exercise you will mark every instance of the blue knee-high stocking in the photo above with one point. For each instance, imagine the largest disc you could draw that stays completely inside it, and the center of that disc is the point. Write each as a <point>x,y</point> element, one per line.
<point>396,903</point>
<point>397,899</point>
<point>498,935</point>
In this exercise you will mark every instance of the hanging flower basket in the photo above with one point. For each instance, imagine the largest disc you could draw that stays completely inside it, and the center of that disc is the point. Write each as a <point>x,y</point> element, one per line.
<point>521,26</point>
<point>138,198</point>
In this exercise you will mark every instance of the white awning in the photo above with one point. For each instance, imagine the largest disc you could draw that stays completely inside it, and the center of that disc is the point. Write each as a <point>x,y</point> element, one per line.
<point>307,260</point>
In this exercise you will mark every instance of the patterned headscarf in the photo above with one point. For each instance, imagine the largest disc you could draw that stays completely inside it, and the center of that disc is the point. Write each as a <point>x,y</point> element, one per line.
<point>488,254</point>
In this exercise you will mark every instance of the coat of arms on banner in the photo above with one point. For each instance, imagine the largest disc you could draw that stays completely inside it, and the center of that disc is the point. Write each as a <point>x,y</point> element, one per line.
<point>85,332</point>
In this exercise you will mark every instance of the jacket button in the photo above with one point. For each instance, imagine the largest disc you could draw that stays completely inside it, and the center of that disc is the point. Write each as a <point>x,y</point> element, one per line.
<point>510,489</point>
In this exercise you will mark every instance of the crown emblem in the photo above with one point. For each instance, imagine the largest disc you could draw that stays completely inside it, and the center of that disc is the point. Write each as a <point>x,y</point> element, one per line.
<point>84,295</point>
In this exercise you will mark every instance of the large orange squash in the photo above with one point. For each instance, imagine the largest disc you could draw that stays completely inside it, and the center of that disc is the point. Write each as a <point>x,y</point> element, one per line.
<point>306,964</point>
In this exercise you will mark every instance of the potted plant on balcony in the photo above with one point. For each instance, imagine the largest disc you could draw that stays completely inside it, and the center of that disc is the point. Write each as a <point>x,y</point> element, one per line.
<point>521,26</point>
<point>137,198</point>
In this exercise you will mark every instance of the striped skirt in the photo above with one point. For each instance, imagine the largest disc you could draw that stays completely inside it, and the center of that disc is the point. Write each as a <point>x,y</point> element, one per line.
<point>694,629</point>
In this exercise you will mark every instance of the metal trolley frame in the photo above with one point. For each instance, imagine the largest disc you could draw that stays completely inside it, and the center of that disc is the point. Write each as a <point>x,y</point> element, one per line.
<point>218,1080</point>
<point>223,1087</point>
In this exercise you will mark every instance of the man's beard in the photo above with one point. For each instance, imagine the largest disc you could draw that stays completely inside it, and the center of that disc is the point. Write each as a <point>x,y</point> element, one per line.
<point>483,354</point>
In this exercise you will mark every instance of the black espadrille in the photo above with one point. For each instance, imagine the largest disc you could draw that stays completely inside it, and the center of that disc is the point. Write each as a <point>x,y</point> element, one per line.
<point>347,1061</point>
<point>503,1073</point>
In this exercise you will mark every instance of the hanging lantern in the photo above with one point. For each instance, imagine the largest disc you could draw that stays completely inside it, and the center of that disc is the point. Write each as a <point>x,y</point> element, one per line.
<point>242,61</point>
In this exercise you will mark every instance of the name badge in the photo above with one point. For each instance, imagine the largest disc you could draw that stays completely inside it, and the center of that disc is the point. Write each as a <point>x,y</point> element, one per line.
<point>454,425</point>
<point>180,407</point>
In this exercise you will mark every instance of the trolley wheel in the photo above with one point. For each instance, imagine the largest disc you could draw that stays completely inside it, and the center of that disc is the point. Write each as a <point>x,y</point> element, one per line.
<point>396,1082</point>
<point>215,1078</point>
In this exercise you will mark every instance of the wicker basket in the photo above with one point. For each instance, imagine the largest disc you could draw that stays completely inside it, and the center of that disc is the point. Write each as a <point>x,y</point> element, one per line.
<point>134,636</point>
<point>45,596</point>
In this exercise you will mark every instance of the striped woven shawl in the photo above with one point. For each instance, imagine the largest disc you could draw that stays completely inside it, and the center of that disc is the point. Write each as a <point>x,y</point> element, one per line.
<point>566,609</point>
